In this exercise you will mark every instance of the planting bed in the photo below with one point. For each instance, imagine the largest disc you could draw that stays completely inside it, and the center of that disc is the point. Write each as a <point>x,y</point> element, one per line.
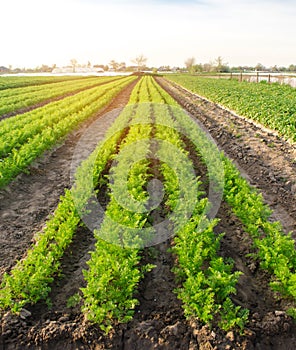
<point>158,322</point>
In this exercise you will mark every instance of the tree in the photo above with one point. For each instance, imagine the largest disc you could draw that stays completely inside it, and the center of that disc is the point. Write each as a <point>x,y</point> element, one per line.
<point>189,63</point>
<point>140,61</point>
<point>45,68</point>
<point>114,65</point>
<point>207,67</point>
<point>220,66</point>
<point>259,67</point>
<point>74,64</point>
<point>198,68</point>
<point>122,66</point>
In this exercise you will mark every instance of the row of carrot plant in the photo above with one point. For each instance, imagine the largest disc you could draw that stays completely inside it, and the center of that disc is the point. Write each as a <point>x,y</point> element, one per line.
<point>207,282</point>
<point>10,82</point>
<point>25,137</point>
<point>12,100</point>
<point>272,105</point>
<point>114,268</point>
<point>30,279</point>
<point>275,250</point>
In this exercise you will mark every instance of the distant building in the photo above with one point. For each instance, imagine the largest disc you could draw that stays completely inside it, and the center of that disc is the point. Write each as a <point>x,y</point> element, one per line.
<point>4,69</point>
<point>98,69</point>
<point>68,69</point>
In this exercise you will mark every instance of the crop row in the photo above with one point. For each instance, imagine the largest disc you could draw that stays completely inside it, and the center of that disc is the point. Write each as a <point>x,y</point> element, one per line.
<point>29,281</point>
<point>114,268</point>
<point>23,138</point>
<point>207,281</point>
<point>9,82</point>
<point>12,100</point>
<point>274,249</point>
<point>272,105</point>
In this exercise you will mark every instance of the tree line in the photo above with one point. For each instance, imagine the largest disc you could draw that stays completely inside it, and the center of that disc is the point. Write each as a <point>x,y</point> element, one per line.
<point>219,66</point>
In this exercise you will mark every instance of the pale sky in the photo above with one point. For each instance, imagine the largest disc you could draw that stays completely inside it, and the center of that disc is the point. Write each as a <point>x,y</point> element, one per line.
<point>243,32</point>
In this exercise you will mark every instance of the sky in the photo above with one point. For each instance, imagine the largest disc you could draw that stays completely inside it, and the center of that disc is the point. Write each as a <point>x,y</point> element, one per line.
<point>242,32</point>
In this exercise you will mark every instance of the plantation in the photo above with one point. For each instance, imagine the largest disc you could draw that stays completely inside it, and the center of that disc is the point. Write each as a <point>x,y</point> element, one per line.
<point>13,100</point>
<point>273,105</point>
<point>175,228</point>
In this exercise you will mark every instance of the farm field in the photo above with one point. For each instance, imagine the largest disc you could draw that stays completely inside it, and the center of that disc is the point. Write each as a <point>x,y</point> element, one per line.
<point>19,100</point>
<point>149,218</point>
<point>8,82</point>
<point>272,105</point>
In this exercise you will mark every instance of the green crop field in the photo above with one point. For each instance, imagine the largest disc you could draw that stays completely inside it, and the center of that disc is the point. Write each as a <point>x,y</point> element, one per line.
<point>153,195</point>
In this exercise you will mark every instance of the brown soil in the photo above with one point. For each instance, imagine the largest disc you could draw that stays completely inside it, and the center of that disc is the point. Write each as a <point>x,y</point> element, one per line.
<point>159,322</point>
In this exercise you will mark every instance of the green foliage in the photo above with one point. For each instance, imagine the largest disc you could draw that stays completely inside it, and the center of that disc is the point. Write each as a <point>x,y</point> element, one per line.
<point>207,281</point>
<point>25,137</point>
<point>111,279</point>
<point>30,279</point>
<point>292,312</point>
<point>233,316</point>
<point>74,300</point>
<point>14,99</point>
<point>8,82</point>
<point>275,249</point>
<point>272,105</point>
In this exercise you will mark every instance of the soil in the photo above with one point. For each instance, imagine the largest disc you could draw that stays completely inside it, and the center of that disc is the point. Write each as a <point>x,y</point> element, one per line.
<point>268,163</point>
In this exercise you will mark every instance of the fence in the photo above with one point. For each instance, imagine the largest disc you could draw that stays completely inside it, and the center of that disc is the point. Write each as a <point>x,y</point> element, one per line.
<point>258,76</point>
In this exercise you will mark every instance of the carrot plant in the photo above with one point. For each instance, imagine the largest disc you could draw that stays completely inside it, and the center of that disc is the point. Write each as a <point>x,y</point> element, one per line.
<point>114,268</point>
<point>207,282</point>
<point>30,279</point>
<point>12,82</point>
<point>275,249</point>
<point>39,130</point>
<point>14,99</point>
